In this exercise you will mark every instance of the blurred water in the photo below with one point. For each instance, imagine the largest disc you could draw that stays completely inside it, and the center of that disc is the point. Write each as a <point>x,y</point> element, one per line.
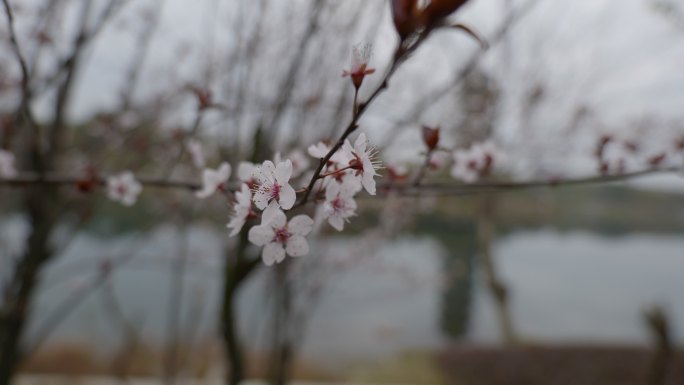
<point>566,287</point>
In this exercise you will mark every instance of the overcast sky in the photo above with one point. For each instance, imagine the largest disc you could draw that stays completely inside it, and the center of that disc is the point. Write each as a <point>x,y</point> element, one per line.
<point>620,59</point>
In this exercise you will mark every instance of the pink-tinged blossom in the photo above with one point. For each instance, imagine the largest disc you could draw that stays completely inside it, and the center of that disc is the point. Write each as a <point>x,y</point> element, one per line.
<point>397,172</point>
<point>618,158</point>
<point>321,149</point>
<point>363,161</point>
<point>439,159</point>
<point>360,58</point>
<point>242,210</point>
<point>246,173</point>
<point>300,163</point>
<point>123,188</point>
<point>279,237</point>
<point>465,168</point>
<point>339,203</point>
<point>7,167</point>
<point>473,163</point>
<point>213,180</point>
<point>273,185</point>
<point>196,152</point>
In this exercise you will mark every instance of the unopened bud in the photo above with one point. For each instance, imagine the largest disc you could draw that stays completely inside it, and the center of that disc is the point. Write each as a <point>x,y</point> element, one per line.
<point>404,15</point>
<point>431,137</point>
<point>437,10</point>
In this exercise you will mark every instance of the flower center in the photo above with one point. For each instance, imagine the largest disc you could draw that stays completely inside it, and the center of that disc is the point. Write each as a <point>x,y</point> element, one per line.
<point>338,204</point>
<point>281,236</point>
<point>121,189</point>
<point>275,191</point>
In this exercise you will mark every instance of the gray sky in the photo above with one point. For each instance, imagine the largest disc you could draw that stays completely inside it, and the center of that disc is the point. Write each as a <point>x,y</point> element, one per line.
<point>622,60</point>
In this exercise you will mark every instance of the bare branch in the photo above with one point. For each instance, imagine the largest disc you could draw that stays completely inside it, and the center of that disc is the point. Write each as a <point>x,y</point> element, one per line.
<point>402,189</point>
<point>16,48</point>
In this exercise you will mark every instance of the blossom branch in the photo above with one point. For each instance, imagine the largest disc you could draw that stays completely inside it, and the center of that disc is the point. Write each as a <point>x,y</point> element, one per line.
<point>405,189</point>
<point>15,46</point>
<point>400,55</point>
<point>451,189</point>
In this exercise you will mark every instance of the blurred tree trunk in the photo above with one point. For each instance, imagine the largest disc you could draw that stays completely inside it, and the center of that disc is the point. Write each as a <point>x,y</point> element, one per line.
<point>485,236</point>
<point>237,270</point>
<point>659,326</point>
<point>282,349</point>
<point>42,204</point>
<point>19,292</point>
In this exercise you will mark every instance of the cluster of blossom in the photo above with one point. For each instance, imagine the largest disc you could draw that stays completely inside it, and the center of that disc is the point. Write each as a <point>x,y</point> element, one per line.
<point>618,156</point>
<point>266,191</point>
<point>473,163</point>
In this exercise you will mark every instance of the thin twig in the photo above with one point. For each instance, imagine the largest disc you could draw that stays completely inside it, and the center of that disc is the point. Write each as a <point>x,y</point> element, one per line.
<point>405,189</point>
<point>401,54</point>
<point>15,47</point>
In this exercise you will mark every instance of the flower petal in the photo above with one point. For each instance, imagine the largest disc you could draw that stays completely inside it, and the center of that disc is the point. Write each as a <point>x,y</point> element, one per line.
<point>350,187</point>
<point>300,225</point>
<point>318,150</point>
<point>273,253</point>
<point>360,144</point>
<point>265,172</point>
<point>287,197</point>
<point>368,183</point>
<point>260,235</point>
<point>224,172</point>
<point>332,190</point>
<point>337,222</point>
<point>276,216</point>
<point>348,150</point>
<point>269,213</point>
<point>246,171</point>
<point>283,172</point>
<point>261,198</point>
<point>297,246</point>
<point>236,224</point>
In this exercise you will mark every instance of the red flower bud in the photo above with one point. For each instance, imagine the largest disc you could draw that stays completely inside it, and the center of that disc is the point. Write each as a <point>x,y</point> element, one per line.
<point>404,15</point>
<point>431,137</point>
<point>89,182</point>
<point>440,9</point>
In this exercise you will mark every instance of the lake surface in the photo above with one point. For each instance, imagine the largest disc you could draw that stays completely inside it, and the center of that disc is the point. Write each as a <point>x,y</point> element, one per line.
<point>569,287</point>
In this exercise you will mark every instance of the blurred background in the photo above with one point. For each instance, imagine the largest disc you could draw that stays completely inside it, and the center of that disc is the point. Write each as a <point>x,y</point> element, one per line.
<point>559,285</point>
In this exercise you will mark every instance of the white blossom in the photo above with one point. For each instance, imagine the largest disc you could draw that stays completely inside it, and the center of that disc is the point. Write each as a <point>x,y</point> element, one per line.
<point>196,152</point>
<point>279,237</point>
<point>339,203</point>
<point>618,159</point>
<point>246,172</point>
<point>123,188</point>
<point>363,160</point>
<point>241,210</point>
<point>300,162</point>
<point>7,167</point>
<point>213,180</point>
<point>465,168</point>
<point>439,159</point>
<point>273,185</point>
<point>321,149</point>
<point>472,163</point>
<point>360,57</point>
